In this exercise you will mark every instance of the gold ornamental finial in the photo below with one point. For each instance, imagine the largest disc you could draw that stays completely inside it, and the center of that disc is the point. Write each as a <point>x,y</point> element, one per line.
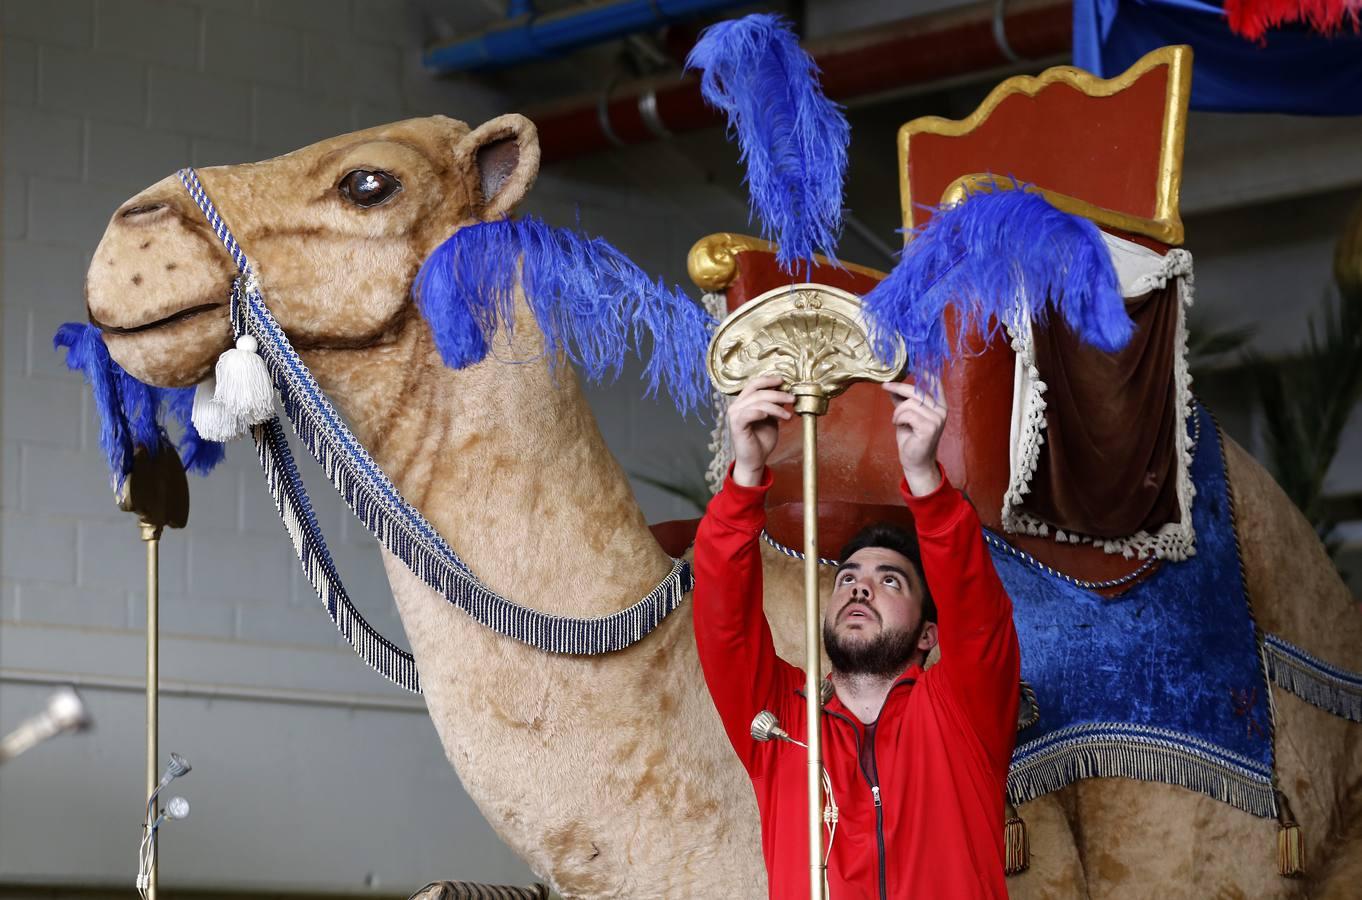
<point>811,335</point>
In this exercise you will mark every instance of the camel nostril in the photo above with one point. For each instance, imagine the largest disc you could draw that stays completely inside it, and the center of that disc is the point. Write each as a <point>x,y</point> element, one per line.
<point>141,210</point>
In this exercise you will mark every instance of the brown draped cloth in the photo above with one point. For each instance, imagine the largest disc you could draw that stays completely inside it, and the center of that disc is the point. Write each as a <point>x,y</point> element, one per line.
<point>1108,467</point>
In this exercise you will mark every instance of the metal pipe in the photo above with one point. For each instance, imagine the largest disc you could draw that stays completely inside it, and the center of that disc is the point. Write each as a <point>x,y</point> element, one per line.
<point>202,691</point>
<point>151,534</point>
<point>813,655</point>
<point>529,37</point>
<point>885,60</point>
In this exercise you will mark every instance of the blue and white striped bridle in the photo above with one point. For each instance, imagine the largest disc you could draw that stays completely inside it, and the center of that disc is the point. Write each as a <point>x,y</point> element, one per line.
<point>377,503</point>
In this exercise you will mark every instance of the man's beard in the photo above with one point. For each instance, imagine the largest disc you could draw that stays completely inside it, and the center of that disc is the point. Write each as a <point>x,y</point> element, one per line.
<point>886,655</point>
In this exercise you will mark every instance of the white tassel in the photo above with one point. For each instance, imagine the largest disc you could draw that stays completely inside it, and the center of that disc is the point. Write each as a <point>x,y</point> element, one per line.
<point>212,420</point>
<point>243,383</point>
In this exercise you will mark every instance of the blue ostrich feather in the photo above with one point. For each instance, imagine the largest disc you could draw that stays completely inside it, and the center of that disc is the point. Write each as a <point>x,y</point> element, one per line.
<point>132,412</point>
<point>792,138</point>
<point>588,298</point>
<point>996,255</point>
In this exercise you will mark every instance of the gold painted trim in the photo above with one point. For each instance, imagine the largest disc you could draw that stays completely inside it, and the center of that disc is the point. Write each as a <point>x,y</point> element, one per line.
<point>713,260</point>
<point>1166,224</point>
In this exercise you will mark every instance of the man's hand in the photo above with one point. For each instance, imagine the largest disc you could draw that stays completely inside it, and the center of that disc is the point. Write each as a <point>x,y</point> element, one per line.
<point>752,422</point>
<point>919,419</point>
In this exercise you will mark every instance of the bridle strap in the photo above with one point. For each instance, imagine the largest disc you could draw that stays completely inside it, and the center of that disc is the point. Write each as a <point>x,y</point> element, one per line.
<point>375,501</point>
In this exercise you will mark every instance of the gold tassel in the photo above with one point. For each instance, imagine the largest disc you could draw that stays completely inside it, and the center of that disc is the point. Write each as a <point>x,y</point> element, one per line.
<point>1016,847</point>
<point>1290,846</point>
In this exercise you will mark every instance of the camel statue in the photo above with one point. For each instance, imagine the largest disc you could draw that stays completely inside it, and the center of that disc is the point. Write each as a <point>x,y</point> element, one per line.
<point>610,775</point>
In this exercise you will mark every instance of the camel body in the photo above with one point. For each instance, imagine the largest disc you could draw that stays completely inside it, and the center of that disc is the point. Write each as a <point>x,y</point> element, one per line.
<point>611,775</point>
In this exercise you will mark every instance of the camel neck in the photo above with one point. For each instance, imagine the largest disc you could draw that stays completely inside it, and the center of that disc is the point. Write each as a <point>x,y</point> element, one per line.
<point>505,459</point>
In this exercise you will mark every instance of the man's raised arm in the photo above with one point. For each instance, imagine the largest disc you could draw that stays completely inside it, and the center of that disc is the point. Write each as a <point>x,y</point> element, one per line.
<point>738,657</point>
<point>980,656</point>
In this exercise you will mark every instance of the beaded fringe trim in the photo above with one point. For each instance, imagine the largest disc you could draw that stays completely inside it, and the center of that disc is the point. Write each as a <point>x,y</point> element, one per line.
<point>1114,750</point>
<point>1313,680</point>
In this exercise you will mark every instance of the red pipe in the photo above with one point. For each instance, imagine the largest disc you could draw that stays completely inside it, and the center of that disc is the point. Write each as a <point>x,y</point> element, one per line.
<point>876,60</point>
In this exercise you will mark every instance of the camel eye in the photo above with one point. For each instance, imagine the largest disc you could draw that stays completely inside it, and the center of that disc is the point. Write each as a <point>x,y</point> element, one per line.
<point>366,187</point>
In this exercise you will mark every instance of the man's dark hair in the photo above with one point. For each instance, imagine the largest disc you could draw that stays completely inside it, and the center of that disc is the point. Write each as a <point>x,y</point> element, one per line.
<point>901,541</point>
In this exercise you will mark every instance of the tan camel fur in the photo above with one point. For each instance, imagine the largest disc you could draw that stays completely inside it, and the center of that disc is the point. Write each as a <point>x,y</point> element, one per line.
<point>611,776</point>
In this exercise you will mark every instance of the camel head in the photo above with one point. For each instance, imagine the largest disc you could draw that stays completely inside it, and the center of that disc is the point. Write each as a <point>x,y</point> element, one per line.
<point>337,232</point>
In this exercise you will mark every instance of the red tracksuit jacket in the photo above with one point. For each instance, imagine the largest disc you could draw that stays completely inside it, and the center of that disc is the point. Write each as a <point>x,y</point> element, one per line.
<point>926,820</point>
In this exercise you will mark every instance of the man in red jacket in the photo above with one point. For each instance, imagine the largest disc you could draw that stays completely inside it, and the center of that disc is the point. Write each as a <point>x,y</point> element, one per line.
<point>917,759</point>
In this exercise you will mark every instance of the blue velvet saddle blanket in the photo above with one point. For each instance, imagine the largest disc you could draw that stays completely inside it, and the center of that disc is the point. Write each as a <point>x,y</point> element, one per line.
<point>1166,682</point>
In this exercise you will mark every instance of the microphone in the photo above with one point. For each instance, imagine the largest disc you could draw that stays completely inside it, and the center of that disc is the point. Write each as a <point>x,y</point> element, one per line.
<point>65,712</point>
<point>176,808</point>
<point>177,766</point>
<point>766,727</point>
<point>68,711</point>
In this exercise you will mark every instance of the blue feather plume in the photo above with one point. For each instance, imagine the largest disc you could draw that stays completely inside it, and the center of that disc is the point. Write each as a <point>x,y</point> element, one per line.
<point>993,256</point>
<point>589,299</point>
<point>792,138</point>
<point>132,412</point>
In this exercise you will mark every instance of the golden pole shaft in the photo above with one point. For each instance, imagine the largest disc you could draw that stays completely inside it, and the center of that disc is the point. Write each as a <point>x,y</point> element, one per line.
<point>813,656</point>
<point>151,534</point>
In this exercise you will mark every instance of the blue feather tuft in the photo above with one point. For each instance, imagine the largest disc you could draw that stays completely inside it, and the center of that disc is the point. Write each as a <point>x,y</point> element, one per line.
<point>994,256</point>
<point>792,138</point>
<point>132,412</point>
<point>588,298</point>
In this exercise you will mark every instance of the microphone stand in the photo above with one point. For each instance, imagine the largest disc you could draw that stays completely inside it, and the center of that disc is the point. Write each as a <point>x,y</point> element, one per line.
<point>158,492</point>
<point>812,335</point>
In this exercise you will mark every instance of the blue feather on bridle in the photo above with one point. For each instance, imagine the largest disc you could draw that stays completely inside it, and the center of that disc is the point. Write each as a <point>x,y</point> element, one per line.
<point>589,300</point>
<point>996,256</point>
<point>792,138</point>
<point>131,412</point>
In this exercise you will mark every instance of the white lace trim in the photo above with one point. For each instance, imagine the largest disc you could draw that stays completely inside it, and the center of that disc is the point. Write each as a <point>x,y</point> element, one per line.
<point>1140,271</point>
<point>720,442</point>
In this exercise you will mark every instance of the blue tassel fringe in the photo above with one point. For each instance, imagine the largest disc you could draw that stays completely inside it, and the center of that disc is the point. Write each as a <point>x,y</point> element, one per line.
<point>792,138</point>
<point>993,254</point>
<point>132,412</point>
<point>588,298</point>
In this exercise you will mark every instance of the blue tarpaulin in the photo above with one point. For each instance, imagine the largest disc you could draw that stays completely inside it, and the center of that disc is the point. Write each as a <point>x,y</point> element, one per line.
<point>1295,71</point>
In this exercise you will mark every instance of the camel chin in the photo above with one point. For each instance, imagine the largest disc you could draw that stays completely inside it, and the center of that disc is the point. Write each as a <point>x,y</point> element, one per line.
<point>178,354</point>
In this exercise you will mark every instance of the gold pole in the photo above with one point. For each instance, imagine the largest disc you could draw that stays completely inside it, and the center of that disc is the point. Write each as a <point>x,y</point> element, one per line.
<point>151,534</point>
<point>813,655</point>
<point>813,337</point>
<point>157,492</point>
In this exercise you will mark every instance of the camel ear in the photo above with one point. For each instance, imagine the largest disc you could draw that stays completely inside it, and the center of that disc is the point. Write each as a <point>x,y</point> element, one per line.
<point>504,152</point>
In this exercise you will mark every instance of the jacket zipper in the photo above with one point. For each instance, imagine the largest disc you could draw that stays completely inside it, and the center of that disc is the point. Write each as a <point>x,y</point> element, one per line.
<point>879,825</point>
<point>874,786</point>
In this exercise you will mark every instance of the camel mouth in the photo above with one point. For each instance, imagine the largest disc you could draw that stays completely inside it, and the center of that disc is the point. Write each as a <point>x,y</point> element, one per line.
<point>171,319</point>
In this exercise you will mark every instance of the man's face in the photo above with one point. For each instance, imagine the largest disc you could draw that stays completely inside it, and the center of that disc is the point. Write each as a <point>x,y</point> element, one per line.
<point>873,623</point>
